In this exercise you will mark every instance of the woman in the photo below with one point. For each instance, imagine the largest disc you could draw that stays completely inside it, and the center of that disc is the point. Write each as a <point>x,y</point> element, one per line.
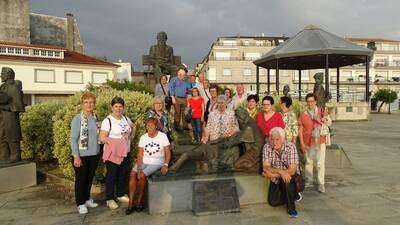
<point>85,151</point>
<point>228,95</point>
<point>268,118</point>
<point>196,104</point>
<point>162,90</point>
<point>153,154</point>
<point>116,133</point>
<point>291,129</point>
<point>252,101</point>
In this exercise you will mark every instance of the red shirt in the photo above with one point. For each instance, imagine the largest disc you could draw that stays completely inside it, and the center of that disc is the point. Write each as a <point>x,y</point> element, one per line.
<point>276,120</point>
<point>197,109</point>
<point>308,124</point>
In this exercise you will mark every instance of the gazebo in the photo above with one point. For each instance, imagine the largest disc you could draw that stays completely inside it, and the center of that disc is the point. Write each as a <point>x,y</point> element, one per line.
<point>314,48</point>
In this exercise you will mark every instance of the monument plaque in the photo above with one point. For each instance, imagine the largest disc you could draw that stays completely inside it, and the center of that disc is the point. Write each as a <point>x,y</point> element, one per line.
<point>215,196</point>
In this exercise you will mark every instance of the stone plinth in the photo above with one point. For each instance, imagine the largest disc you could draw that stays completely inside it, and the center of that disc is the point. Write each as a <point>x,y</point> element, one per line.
<point>348,111</point>
<point>17,176</point>
<point>176,194</point>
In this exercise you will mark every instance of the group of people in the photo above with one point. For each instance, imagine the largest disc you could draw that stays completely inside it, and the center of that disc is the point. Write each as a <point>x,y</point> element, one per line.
<point>198,108</point>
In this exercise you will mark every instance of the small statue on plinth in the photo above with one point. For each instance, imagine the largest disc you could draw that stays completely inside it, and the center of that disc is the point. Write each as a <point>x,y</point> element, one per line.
<point>224,154</point>
<point>161,58</point>
<point>11,104</point>
<point>286,90</point>
<point>319,90</point>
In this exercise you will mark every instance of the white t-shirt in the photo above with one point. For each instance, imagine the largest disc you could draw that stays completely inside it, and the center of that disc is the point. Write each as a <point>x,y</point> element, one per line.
<point>154,148</point>
<point>118,127</point>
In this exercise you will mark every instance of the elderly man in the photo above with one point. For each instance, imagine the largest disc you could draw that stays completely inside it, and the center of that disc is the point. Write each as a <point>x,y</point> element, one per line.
<point>280,165</point>
<point>221,122</point>
<point>240,97</point>
<point>178,92</point>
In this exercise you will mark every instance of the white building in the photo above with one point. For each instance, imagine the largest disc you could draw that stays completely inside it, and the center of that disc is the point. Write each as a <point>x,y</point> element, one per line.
<point>49,72</point>
<point>124,71</point>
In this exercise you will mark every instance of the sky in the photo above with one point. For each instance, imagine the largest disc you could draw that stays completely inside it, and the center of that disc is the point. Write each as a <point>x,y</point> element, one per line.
<point>125,29</point>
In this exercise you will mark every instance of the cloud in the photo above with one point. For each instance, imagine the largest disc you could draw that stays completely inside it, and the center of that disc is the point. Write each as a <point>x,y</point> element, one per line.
<point>125,29</point>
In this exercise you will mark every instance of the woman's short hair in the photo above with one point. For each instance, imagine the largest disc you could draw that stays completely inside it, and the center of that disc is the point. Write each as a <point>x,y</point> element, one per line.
<point>311,95</point>
<point>277,131</point>
<point>163,75</point>
<point>269,98</point>
<point>195,89</point>
<point>213,86</point>
<point>287,100</point>
<point>253,97</point>
<point>158,99</point>
<point>88,95</point>
<point>222,98</point>
<point>117,100</point>
<point>151,120</point>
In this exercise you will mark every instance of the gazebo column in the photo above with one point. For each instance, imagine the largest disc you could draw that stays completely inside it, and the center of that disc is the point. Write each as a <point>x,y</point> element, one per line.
<point>268,82</point>
<point>258,79</point>
<point>327,74</point>
<point>366,79</point>
<point>299,85</point>
<point>337,83</point>
<point>277,76</point>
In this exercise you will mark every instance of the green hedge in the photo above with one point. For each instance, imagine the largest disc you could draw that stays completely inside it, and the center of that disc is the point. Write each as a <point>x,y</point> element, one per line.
<point>136,105</point>
<point>37,131</point>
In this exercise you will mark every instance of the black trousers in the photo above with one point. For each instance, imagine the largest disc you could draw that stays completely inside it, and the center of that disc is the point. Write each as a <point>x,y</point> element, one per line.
<point>281,193</point>
<point>116,178</point>
<point>84,178</point>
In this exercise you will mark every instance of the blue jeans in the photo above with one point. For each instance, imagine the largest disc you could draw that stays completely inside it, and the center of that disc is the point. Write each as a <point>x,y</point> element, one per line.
<point>196,124</point>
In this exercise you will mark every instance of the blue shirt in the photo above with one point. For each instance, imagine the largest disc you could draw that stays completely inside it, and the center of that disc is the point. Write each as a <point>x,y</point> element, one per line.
<point>177,87</point>
<point>93,146</point>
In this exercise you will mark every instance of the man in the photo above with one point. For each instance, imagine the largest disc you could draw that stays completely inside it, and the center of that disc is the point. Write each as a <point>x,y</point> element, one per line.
<point>313,141</point>
<point>11,105</point>
<point>162,56</point>
<point>178,93</point>
<point>280,164</point>
<point>204,89</point>
<point>239,97</point>
<point>212,103</point>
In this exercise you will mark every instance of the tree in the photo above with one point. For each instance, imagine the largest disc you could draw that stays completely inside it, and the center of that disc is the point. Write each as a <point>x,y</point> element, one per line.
<point>385,96</point>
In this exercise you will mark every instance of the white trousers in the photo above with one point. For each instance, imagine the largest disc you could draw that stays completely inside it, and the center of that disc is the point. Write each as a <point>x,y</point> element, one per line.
<point>315,158</point>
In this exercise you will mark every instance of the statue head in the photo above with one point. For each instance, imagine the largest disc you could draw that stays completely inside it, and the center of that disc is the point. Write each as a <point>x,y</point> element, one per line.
<point>7,74</point>
<point>319,78</point>
<point>242,116</point>
<point>162,38</point>
<point>286,90</point>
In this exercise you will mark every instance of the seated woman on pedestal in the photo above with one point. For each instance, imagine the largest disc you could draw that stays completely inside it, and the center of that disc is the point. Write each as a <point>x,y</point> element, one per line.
<point>153,154</point>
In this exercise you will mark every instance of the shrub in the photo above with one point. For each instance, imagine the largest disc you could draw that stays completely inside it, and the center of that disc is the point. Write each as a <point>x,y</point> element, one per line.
<point>37,131</point>
<point>135,107</point>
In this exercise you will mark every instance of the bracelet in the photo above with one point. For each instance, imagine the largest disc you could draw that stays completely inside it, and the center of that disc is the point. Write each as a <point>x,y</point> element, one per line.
<point>165,164</point>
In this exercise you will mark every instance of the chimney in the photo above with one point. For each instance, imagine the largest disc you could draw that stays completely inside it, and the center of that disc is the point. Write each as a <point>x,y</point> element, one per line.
<point>70,32</point>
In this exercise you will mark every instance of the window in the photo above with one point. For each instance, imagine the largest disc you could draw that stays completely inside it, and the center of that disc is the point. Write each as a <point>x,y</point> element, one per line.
<point>73,77</point>
<point>3,50</point>
<point>50,53</point>
<point>222,55</point>
<point>229,42</point>
<point>227,72</point>
<point>259,43</point>
<point>99,77</point>
<point>57,54</point>
<point>246,43</point>
<point>43,53</point>
<point>45,76</point>
<point>211,73</point>
<point>11,50</point>
<point>305,75</point>
<point>252,55</point>
<point>25,51</point>
<point>247,71</point>
<point>36,52</point>
<point>18,51</point>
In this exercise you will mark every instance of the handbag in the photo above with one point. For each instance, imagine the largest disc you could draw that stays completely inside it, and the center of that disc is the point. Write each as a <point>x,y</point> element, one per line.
<point>168,99</point>
<point>298,179</point>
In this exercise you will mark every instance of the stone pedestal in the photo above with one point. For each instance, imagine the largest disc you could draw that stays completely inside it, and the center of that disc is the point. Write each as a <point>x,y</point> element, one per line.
<point>17,176</point>
<point>174,195</point>
<point>348,111</point>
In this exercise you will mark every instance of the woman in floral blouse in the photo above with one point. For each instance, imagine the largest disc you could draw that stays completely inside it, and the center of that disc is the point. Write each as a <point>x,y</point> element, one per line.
<point>291,129</point>
<point>162,116</point>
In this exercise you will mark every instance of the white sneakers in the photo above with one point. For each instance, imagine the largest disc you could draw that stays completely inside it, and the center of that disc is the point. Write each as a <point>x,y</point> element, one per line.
<point>91,204</point>
<point>124,199</point>
<point>82,209</point>
<point>112,204</point>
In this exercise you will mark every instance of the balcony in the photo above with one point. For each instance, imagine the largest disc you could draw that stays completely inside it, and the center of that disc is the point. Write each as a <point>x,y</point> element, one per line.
<point>386,63</point>
<point>243,43</point>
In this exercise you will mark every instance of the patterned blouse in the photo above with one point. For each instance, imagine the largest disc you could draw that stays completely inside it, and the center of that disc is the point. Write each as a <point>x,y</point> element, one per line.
<point>252,113</point>
<point>163,123</point>
<point>221,124</point>
<point>291,128</point>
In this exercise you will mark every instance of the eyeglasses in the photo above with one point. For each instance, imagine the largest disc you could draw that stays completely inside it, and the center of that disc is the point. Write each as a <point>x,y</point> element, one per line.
<point>267,104</point>
<point>311,101</point>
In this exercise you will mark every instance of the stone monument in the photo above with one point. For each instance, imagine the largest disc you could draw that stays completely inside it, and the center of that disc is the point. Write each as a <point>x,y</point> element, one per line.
<point>319,90</point>
<point>161,59</point>
<point>286,90</point>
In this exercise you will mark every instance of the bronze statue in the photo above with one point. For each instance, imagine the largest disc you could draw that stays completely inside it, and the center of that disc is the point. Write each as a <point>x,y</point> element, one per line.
<point>11,104</point>
<point>224,154</point>
<point>286,90</point>
<point>319,90</point>
<point>161,57</point>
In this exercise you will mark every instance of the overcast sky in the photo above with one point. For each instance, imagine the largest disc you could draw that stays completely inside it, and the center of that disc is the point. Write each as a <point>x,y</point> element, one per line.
<point>125,29</point>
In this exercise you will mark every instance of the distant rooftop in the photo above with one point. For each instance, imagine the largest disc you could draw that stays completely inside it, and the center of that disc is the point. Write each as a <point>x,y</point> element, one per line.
<point>366,40</point>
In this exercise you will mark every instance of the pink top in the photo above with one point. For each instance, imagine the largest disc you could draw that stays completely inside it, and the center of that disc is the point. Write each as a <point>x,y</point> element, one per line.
<point>115,150</point>
<point>308,125</point>
<point>266,126</point>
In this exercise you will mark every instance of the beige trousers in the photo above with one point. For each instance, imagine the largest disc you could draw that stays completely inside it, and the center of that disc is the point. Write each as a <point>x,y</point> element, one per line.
<point>315,160</point>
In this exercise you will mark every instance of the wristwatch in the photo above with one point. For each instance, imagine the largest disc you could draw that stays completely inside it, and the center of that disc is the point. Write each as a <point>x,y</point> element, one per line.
<point>165,164</point>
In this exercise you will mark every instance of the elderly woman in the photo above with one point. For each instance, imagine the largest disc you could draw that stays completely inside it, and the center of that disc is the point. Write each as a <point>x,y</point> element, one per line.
<point>85,151</point>
<point>116,133</point>
<point>252,101</point>
<point>221,122</point>
<point>280,165</point>
<point>268,118</point>
<point>153,154</point>
<point>162,90</point>
<point>289,119</point>
<point>229,102</point>
<point>158,112</point>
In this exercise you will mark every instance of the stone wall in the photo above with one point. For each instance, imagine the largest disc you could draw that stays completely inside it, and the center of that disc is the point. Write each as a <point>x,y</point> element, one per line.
<point>14,21</point>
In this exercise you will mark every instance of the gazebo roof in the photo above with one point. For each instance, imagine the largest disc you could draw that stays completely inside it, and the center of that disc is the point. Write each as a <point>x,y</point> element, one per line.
<point>308,50</point>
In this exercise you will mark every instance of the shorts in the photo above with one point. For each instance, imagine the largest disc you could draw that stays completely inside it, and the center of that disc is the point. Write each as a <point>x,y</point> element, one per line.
<point>148,169</point>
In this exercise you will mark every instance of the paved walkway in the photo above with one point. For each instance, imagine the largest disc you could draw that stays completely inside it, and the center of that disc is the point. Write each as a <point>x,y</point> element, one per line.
<point>367,194</point>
